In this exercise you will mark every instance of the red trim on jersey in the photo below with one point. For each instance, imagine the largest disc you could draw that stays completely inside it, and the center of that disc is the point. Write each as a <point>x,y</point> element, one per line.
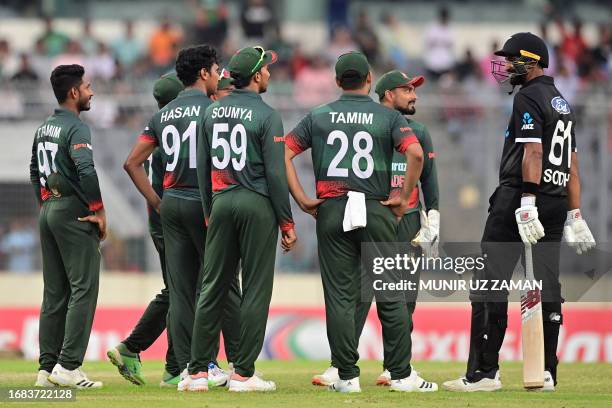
<point>45,194</point>
<point>292,143</point>
<point>148,139</point>
<point>413,200</point>
<point>81,146</point>
<point>287,225</point>
<point>96,205</point>
<point>169,180</point>
<point>329,189</point>
<point>431,155</point>
<point>406,141</point>
<point>221,179</point>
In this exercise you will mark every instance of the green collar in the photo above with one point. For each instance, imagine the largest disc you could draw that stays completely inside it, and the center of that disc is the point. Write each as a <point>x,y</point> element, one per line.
<point>64,111</point>
<point>246,92</point>
<point>355,97</point>
<point>190,92</point>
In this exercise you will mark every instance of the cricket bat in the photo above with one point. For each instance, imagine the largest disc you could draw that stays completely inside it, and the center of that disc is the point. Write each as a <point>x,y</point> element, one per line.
<point>532,330</point>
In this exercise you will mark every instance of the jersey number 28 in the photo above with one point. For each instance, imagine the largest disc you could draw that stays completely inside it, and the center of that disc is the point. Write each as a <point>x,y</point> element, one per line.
<point>361,153</point>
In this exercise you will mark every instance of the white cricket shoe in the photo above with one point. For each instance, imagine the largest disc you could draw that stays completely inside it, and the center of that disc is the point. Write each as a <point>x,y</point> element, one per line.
<point>463,385</point>
<point>216,376</point>
<point>43,380</point>
<point>72,378</point>
<point>549,383</point>
<point>350,386</point>
<point>384,378</point>
<point>329,377</point>
<point>194,382</point>
<point>413,383</point>
<point>238,383</point>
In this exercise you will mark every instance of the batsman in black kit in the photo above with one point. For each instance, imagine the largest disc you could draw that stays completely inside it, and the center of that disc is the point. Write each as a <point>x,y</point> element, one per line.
<point>537,200</point>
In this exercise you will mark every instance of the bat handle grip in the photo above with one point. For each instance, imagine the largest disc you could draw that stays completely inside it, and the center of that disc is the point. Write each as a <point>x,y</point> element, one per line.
<point>529,263</point>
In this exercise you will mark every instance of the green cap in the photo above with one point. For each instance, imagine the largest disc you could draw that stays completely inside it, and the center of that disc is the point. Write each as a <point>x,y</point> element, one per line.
<point>248,60</point>
<point>396,79</point>
<point>352,61</point>
<point>166,89</point>
<point>225,80</point>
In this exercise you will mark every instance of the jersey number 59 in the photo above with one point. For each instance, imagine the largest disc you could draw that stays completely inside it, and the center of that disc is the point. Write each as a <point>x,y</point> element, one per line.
<point>237,146</point>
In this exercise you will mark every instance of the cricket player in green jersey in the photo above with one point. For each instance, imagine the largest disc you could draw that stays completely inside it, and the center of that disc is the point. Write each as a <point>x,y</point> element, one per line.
<point>126,355</point>
<point>175,129</point>
<point>246,200</point>
<point>224,87</point>
<point>352,141</point>
<point>398,91</point>
<point>72,222</point>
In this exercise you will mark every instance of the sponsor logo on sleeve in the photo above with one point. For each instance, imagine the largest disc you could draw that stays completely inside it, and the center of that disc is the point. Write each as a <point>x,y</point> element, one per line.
<point>560,105</point>
<point>527,121</point>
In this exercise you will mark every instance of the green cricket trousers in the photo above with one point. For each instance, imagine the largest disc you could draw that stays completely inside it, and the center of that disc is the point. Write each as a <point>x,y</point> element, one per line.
<point>409,226</point>
<point>339,257</point>
<point>71,269</point>
<point>242,229</point>
<point>184,239</point>
<point>154,319</point>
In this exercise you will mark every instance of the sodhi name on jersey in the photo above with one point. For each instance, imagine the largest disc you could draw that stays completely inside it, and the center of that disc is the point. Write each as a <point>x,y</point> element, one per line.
<point>556,177</point>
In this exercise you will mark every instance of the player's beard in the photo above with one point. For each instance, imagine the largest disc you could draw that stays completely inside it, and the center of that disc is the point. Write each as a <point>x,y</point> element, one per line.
<point>518,79</point>
<point>409,109</point>
<point>84,104</point>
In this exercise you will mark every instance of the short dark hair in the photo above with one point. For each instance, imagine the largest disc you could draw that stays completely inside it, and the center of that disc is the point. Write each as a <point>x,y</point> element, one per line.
<point>352,80</point>
<point>240,83</point>
<point>64,78</point>
<point>191,60</point>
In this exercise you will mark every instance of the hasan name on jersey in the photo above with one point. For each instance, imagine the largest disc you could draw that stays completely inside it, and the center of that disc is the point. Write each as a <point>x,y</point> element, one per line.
<point>179,112</point>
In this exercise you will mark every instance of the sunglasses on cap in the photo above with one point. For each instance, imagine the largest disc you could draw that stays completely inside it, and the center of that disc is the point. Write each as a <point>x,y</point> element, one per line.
<point>261,58</point>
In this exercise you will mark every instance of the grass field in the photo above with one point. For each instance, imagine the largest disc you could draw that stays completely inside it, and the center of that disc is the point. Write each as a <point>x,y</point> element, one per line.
<point>582,385</point>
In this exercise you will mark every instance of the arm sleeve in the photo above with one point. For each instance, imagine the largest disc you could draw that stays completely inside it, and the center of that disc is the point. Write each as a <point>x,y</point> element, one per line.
<point>203,169</point>
<point>402,133</point>
<point>273,150</point>
<point>81,154</point>
<point>527,116</point>
<point>429,175</point>
<point>300,138</point>
<point>148,134</point>
<point>34,176</point>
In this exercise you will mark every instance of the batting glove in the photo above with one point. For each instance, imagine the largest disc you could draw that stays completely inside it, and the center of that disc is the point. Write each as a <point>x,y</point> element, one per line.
<point>529,226</point>
<point>428,236</point>
<point>576,232</point>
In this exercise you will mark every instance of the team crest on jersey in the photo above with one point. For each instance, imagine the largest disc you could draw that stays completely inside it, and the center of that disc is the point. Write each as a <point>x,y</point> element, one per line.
<point>560,105</point>
<point>527,121</point>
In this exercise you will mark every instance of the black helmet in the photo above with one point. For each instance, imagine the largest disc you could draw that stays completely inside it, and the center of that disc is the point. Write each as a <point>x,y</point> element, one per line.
<point>526,45</point>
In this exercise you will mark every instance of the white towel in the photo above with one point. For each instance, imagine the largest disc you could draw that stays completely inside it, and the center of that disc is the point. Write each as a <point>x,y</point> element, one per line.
<point>354,212</point>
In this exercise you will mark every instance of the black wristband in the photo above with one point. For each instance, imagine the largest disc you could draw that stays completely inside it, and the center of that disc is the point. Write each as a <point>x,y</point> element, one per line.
<point>530,188</point>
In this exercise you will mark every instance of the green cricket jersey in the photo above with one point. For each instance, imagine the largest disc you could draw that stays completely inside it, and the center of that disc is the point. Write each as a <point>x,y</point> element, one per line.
<point>429,176</point>
<point>62,147</point>
<point>154,168</point>
<point>352,141</point>
<point>174,129</point>
<point>244,147</point>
